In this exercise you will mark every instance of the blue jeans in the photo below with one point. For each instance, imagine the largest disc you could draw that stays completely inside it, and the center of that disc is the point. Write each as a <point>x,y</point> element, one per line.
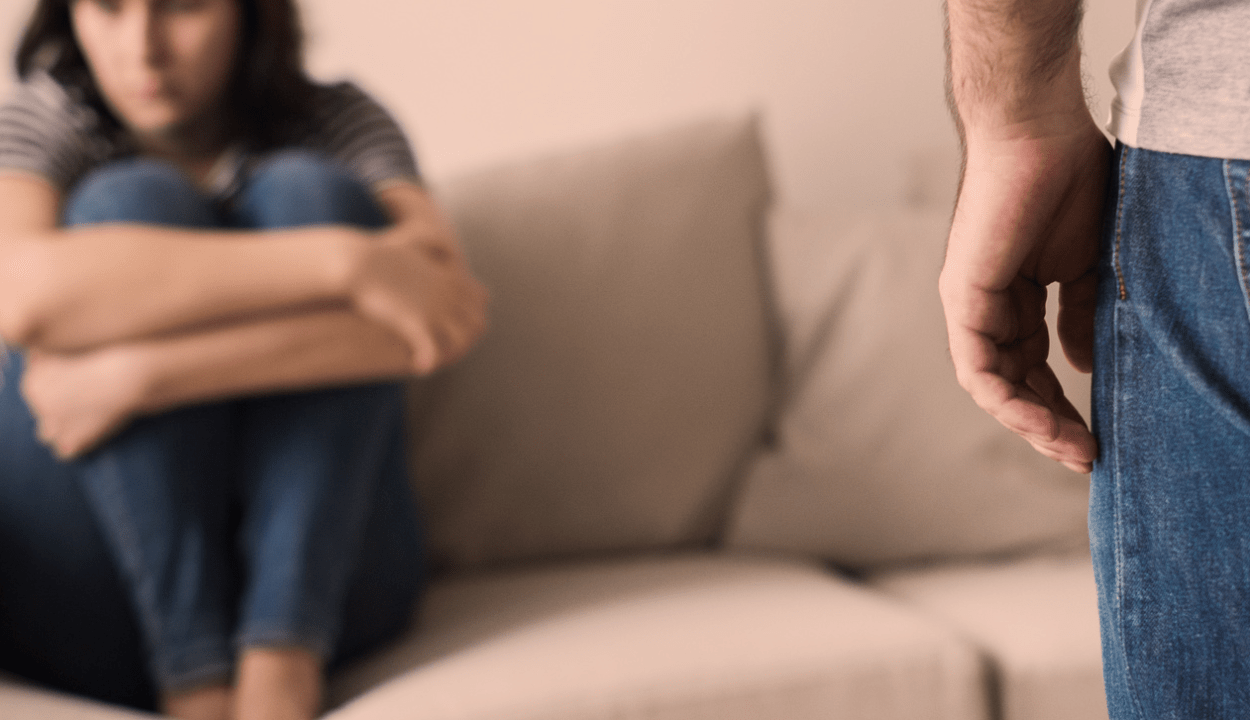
<point>1170,496</point>
<point>277,521</point>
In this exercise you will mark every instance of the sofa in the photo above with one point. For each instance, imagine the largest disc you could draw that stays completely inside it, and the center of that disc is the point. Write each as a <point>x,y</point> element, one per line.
<point>711,462</point>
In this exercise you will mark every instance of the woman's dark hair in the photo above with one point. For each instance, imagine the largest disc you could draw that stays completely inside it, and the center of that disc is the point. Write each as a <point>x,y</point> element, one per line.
<point>268,97</point>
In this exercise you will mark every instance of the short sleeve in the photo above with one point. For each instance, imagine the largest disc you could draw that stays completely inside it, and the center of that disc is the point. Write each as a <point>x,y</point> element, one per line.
<point>44,132</point>
<point>353,129</point>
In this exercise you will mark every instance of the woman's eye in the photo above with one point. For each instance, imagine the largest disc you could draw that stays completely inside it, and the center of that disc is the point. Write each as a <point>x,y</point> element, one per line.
<point>108,6</point>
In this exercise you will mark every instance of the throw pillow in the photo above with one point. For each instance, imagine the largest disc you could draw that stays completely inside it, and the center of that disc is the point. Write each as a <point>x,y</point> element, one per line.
<point>627,368</point>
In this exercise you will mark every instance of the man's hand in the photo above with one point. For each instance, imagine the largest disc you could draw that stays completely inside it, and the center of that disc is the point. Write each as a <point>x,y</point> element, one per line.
<point>1029,214</point>
<point>80,400</point>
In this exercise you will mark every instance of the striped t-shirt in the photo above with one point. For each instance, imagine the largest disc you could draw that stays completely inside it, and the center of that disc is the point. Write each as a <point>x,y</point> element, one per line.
<point>45,132</point>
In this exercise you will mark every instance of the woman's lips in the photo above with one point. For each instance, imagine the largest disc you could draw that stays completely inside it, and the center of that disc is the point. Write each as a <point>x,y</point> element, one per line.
<point>153,90</point>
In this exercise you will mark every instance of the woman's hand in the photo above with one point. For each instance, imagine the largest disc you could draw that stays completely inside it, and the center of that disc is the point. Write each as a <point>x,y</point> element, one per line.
<point>80,400</point>
<point>414,279</point>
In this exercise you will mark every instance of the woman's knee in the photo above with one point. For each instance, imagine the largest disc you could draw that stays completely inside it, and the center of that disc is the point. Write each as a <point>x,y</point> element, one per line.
<point>299,187</point>
<point>138,190</point>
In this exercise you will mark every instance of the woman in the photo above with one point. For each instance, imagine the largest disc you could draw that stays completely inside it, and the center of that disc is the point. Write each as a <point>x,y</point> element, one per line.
<point>211,267</point>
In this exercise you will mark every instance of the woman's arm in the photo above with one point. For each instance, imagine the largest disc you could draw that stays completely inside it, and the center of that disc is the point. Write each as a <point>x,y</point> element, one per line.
<point>411,305</point>
<point>71,289</point>
<point>416,280</point>
<point>81,399</point>
<point>65,290</point>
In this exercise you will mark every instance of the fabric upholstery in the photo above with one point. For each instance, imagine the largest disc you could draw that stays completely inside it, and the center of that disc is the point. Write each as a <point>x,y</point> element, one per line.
<point>19,701</point>
<point>626,371</point>
<point>681,638</point>
<point>881,456</point>
<point>1036,619</point>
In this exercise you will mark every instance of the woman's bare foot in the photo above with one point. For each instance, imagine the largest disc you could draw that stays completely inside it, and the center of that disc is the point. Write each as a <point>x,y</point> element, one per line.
<point>278,684</point>
<point>215,702</point>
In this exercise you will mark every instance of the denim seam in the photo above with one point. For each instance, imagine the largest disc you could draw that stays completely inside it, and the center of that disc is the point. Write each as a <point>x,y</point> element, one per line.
<point>166,668</point>
<point>1116,460</point>
<point>131,552</point>
<point>1130,684</point>
<point>1243,272</point>
<point>1119,216</point>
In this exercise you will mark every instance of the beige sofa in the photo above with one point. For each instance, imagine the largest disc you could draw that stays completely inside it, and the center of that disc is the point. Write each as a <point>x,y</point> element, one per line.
<point>711,463</point>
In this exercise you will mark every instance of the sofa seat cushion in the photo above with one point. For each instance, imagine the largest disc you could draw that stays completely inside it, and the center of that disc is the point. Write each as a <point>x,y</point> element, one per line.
<point>690,637</point>
<point>626,372</point>
<point>1036,620</point>
<point>19,701</point>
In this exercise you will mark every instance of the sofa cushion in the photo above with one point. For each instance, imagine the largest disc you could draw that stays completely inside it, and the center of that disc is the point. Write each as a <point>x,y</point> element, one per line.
<point>626,370</point>
<point>682,638</point>
<point>1035,620</point>
<point>20,701</point>
<point>881,456</point>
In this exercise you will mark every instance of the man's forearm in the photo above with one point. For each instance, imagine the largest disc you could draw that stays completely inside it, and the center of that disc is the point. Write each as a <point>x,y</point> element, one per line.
<point>1028,214</point>
<point>1013,62</point>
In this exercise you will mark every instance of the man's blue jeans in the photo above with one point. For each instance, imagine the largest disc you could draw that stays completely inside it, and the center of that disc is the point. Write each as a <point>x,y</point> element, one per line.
<point>278,521</point>
<point>1170,505</point>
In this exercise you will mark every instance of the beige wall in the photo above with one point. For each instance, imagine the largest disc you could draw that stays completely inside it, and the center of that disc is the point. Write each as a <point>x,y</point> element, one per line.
<point>851,91</point>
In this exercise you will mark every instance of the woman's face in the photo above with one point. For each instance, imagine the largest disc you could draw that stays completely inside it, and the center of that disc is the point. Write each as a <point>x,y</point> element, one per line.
<point>163,66</point>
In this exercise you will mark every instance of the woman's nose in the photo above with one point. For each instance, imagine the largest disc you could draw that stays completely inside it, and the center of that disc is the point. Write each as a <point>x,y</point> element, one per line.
<point>150,41</point>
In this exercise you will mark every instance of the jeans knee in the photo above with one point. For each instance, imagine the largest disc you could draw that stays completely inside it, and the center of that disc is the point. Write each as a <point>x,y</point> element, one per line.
<point>138,190</point>
<point>299,187</point>
<point>382,399</point>
<point>342,411</point>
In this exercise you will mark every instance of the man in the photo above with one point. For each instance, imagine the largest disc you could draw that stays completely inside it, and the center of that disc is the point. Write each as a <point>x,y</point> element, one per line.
<point>1150,245</point>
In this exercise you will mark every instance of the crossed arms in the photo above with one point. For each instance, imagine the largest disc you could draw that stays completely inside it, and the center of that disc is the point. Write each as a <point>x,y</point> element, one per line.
<point>124,320</point>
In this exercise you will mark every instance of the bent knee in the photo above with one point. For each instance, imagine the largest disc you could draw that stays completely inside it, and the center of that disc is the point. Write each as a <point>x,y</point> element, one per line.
<point>138,190</point>
<point>301,187</point>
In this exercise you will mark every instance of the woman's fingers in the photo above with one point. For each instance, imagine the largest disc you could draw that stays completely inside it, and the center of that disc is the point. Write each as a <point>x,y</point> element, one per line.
<point>77,401</point>
<point>423,290</point>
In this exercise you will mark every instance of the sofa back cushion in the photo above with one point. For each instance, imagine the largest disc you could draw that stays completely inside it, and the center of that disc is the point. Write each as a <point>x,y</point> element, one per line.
<point>881,457</point>
<point>626,372</point>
